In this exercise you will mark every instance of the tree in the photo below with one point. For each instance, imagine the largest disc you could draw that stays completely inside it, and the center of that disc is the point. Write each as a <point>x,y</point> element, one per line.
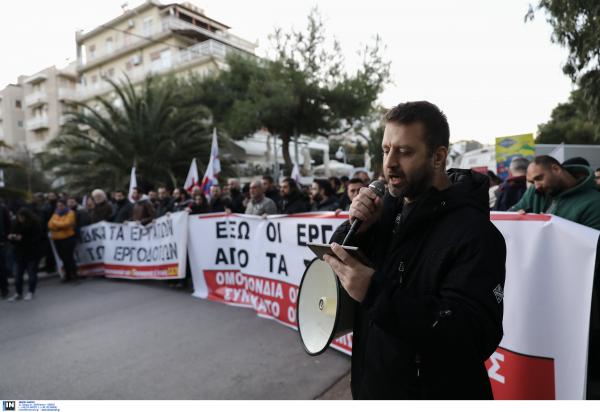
<point>576,26</point>
<point>569,123</point>
<point>9,192</point>
<point>303,89</point>
<point>146,128</point>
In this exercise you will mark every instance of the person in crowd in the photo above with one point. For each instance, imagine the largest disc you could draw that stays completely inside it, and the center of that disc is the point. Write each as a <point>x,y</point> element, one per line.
<point>181,200</point>
<point>153,198</point>
<point>218,201</point>
<point>354,186</point>
<point>511,191</point>
<point>383,180</point>
<point>5,230</point>
<point>142,211</point>
<point>246,193</point>
<point>49,209</point>
<point>494,187</point>
<point>597,178</point>
<point>82,217</point>
<point>260,204</point>
<point>225,189</point>
<point>576,161</point>
<point>37,206</point>
<point>51,203</point>
<point>62,195</point>
<point>198,206</point>
<point>336,186</point>
<point>102,210</point>
<point>270,191</point>
<point>90,205</point>
<point>565,191</point>
<point>122,208</point>
<point>27,239</point>
<point>364,176</point>
<point>165,202</point>
<point>322,195</point>
<point>293,199</point>
<point>426,318</point>
<point>237,197</point>
<point>344,180</point>
<point>62,230</point>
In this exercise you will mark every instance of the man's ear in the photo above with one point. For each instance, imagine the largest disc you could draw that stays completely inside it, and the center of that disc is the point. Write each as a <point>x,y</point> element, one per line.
<point>439,158</point>
<point>556,169</point>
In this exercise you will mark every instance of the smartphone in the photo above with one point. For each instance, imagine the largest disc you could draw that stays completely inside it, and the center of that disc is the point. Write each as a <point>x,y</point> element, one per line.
<point>321,249</point>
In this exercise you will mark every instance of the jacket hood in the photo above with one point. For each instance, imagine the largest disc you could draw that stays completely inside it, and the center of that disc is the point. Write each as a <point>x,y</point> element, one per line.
<point>469,188</point>
<point>585,177</point>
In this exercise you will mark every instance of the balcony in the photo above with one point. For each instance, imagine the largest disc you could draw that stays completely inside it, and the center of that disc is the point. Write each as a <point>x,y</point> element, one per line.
<point>36,99</point>
<point>65,93</point>
<point>138,73</point>
<point>63,119</point>
<point>37,123</point>
<point>152,32</point>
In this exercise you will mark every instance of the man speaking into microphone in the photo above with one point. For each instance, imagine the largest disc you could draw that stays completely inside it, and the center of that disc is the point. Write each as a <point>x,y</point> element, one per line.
<point>430,309</point>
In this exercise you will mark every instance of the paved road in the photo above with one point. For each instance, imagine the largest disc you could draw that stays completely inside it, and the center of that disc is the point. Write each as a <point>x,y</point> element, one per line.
<point>123,339</point>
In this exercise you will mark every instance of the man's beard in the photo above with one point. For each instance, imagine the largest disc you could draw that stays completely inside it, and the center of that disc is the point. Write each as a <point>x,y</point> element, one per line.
<point>415,184</point>
<point>318,198</point>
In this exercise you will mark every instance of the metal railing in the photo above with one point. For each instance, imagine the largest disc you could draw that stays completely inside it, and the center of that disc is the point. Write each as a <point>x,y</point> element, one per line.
<point>166,23</point>
<point>37,123</point>
<point>36,98</point>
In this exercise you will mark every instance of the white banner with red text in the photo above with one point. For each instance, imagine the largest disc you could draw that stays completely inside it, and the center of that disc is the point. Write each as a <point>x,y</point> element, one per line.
<point>258,263</point>
<point>132,251</point>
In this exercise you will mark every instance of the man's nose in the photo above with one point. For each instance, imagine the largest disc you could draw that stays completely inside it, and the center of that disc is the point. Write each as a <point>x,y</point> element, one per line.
<point>391,160</point>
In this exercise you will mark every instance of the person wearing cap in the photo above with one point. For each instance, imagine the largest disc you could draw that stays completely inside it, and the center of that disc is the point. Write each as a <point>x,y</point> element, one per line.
<point>62,232</point>
<point>102,209</point>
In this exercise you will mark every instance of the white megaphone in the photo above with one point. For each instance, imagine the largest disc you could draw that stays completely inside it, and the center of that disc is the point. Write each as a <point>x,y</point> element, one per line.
<point>325,310</point>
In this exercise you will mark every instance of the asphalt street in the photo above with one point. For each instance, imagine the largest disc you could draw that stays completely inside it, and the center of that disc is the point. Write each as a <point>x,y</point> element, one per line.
<point>123,339</point>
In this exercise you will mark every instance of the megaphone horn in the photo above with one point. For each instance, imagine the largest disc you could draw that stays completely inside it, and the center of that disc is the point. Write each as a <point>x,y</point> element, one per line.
<point>325,310</point>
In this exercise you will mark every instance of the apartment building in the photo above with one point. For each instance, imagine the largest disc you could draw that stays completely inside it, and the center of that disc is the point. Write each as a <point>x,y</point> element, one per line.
<point>46,97</point>
<point>152,38</point>
<point>12,116</point>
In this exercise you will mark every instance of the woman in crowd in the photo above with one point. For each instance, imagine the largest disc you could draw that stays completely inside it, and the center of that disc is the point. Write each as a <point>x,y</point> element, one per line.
<point>62,226</point>
<point>199,206</point>
<point>27,238</point>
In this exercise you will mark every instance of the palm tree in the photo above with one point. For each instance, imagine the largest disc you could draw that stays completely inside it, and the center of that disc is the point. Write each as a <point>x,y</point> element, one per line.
<point>8,192</point>
<point>146,128</point>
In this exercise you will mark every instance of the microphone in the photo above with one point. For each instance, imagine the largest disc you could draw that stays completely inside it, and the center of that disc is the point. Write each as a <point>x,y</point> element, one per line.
<point>379,189</point>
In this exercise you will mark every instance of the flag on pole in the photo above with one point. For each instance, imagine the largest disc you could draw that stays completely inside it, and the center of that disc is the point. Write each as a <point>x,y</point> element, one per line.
<point>132,184</point>
<point>296,173</point>
<point>192,178</point>
<point>559,153</point>
<point>213,168</point>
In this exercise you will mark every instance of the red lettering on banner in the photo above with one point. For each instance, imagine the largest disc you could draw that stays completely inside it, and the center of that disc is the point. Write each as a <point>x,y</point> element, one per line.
<point>515,376</point>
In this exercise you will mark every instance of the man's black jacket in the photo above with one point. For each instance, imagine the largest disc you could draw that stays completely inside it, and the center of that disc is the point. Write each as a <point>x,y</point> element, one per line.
<point>164,205</point>
<point>237,201</point>
<point>433,312</point>
<point>121,211</point>
<point>298,202</point>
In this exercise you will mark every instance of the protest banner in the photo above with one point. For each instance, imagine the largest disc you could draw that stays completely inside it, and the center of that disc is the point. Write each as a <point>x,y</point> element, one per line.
<point>510,147</point>
<point>155,251</point>
<point>258,263</point>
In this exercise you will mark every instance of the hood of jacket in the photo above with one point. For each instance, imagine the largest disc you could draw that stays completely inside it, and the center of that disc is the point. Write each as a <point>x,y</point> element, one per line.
<point>514,181</point>
<point>585,180</point>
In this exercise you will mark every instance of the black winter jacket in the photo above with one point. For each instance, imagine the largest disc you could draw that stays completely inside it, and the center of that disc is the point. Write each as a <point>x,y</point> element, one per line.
<point>29,247</point>
<point>121,211</point>
<point>297,203</point>
<point>164,206</point>
<point>433,312</point>
<point>329,205</point>
<point>237,201</point>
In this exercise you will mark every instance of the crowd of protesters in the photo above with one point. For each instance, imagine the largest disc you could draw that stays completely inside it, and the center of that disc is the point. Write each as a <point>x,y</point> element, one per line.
<point>569,190</point>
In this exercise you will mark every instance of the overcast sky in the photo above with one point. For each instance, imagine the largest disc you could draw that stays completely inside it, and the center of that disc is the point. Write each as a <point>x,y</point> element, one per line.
<point>491,73</point>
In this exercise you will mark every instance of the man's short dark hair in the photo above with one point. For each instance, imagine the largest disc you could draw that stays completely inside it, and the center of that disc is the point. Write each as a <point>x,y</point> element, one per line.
<point>576,161</point>
<point>335,180</point>
<point>122,191</point>
<point>268,178</point>
<point>344,179</point>
<point>246,188</point>
<point>437,130</point>
<point>356,180</point>
<point>546,162</point>
<point>291,182</point>
<point>325,185</point>
<point>138,189</point>
<point>598,169</point>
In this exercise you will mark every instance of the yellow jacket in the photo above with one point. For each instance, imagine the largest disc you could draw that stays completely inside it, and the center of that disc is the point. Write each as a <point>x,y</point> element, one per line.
<point>62,227</point>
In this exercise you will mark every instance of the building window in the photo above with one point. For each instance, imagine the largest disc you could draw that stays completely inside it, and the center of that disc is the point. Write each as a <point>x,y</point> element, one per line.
<point>18,104</point>
<point>92,52</point>
<point>109,45</point>
<point>160,60</point>
<point>20,124</point>
<point>111,72</point>
<point>148,27</point>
